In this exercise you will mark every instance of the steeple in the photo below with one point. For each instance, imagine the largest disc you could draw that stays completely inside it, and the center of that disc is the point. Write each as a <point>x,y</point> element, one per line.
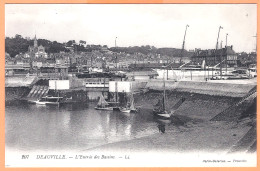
<point>35,42</point>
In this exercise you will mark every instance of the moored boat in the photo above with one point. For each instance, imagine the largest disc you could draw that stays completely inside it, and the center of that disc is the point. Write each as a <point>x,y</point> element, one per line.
<point>160,108</point>
<point>103,104</point>
<point>32,101</point>
<point>49,100</point>
<point>128,105</point>
<point>125,110</point>
<point>133,108</point>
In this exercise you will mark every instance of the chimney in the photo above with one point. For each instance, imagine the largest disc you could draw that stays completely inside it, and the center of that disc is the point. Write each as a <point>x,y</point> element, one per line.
<point>231,47</point>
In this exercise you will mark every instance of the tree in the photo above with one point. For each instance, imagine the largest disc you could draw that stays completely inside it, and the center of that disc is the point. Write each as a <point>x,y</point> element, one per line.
<point>82,42</point>
<point>18,36</point>
<point>71,42</point>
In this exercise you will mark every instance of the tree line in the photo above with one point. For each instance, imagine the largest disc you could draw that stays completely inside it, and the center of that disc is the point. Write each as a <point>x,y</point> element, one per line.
<point>18,44</point>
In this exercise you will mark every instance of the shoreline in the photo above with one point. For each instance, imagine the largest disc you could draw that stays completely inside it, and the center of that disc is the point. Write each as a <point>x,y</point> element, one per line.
<point>203,137</point>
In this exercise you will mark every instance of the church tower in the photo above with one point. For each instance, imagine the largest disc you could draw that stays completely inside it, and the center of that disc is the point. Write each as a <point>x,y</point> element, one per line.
<point>35,42</point>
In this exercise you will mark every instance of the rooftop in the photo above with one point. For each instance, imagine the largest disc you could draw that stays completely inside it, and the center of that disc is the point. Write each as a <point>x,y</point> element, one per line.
<point>228,50</point>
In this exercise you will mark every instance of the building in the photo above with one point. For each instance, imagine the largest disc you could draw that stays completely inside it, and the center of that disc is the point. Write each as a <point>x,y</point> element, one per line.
<point>145,74</point>
<point>138,66</point>
<point>8,59</point>
<point>213,57</point>
<point>36,51</point>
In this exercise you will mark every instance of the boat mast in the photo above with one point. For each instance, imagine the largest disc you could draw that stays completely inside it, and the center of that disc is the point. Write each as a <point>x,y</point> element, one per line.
<point>116,54</point>
<point>55,86</point>
<point>164,96</point>
<point>116,91</point>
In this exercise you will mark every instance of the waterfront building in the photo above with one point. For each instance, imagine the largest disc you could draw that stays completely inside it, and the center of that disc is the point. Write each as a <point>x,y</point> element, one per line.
<point>37,63</point>
<point>153,65</point>
<point>146,74</point>
<point>17,65</point>
<point>11,70</point>
<point>213,57</point>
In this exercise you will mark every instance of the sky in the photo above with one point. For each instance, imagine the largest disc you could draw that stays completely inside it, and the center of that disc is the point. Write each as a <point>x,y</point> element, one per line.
<point>159,25</point>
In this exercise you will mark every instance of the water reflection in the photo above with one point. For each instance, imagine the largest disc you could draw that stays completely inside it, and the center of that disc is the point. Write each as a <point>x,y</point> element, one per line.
<point>162,123</point>
<point>161,128</point>
<point>33,127</point>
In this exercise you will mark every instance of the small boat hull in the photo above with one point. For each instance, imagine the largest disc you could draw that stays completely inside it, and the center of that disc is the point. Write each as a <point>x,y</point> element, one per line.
<point>53,103</point>
<point>134,111</point>
<point>104,108</point>
<point>163,115</point>
<point>49,100</point>
<point>47,103</point>
<point>40,103</point>
<point>116,109</point>
<point>32,101</point>
<point>125,110</point>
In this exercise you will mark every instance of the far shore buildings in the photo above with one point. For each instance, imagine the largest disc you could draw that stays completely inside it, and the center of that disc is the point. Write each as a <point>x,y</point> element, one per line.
<point>213,57</point>
<point>36,51</point>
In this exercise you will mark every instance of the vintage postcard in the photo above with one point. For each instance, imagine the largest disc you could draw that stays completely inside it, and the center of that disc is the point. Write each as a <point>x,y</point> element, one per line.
<point>130,85</point>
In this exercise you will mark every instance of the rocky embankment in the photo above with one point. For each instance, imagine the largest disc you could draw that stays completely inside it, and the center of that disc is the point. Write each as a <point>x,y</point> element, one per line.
<point>199,106</point>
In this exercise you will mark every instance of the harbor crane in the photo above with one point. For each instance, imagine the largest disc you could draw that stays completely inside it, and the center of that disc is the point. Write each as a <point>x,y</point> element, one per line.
<point>217,43</point>
<point>182,50</point>
<point>183,44</point>
<point>220,27</point>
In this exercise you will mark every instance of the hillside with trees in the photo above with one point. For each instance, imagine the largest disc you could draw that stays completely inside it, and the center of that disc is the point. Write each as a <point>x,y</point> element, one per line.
<point>18,44</point>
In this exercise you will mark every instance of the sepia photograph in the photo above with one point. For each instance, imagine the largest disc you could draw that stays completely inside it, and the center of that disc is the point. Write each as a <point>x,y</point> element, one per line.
<point>130,85</point>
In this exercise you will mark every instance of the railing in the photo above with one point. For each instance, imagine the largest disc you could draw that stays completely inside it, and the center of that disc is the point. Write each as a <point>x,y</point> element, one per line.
<point>97,84</point>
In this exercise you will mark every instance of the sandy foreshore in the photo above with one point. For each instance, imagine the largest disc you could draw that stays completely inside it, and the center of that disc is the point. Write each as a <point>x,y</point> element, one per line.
<point>199,137</point>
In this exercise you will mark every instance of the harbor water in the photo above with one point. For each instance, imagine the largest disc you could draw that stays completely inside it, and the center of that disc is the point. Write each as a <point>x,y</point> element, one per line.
<point>30,127</point>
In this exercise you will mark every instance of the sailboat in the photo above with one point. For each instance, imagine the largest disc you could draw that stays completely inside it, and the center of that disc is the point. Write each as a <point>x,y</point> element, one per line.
<point>103,104</point>
<point>160,110</point>
<point>126,105</point>
<point>130,106</point>
<point>116,104</point>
